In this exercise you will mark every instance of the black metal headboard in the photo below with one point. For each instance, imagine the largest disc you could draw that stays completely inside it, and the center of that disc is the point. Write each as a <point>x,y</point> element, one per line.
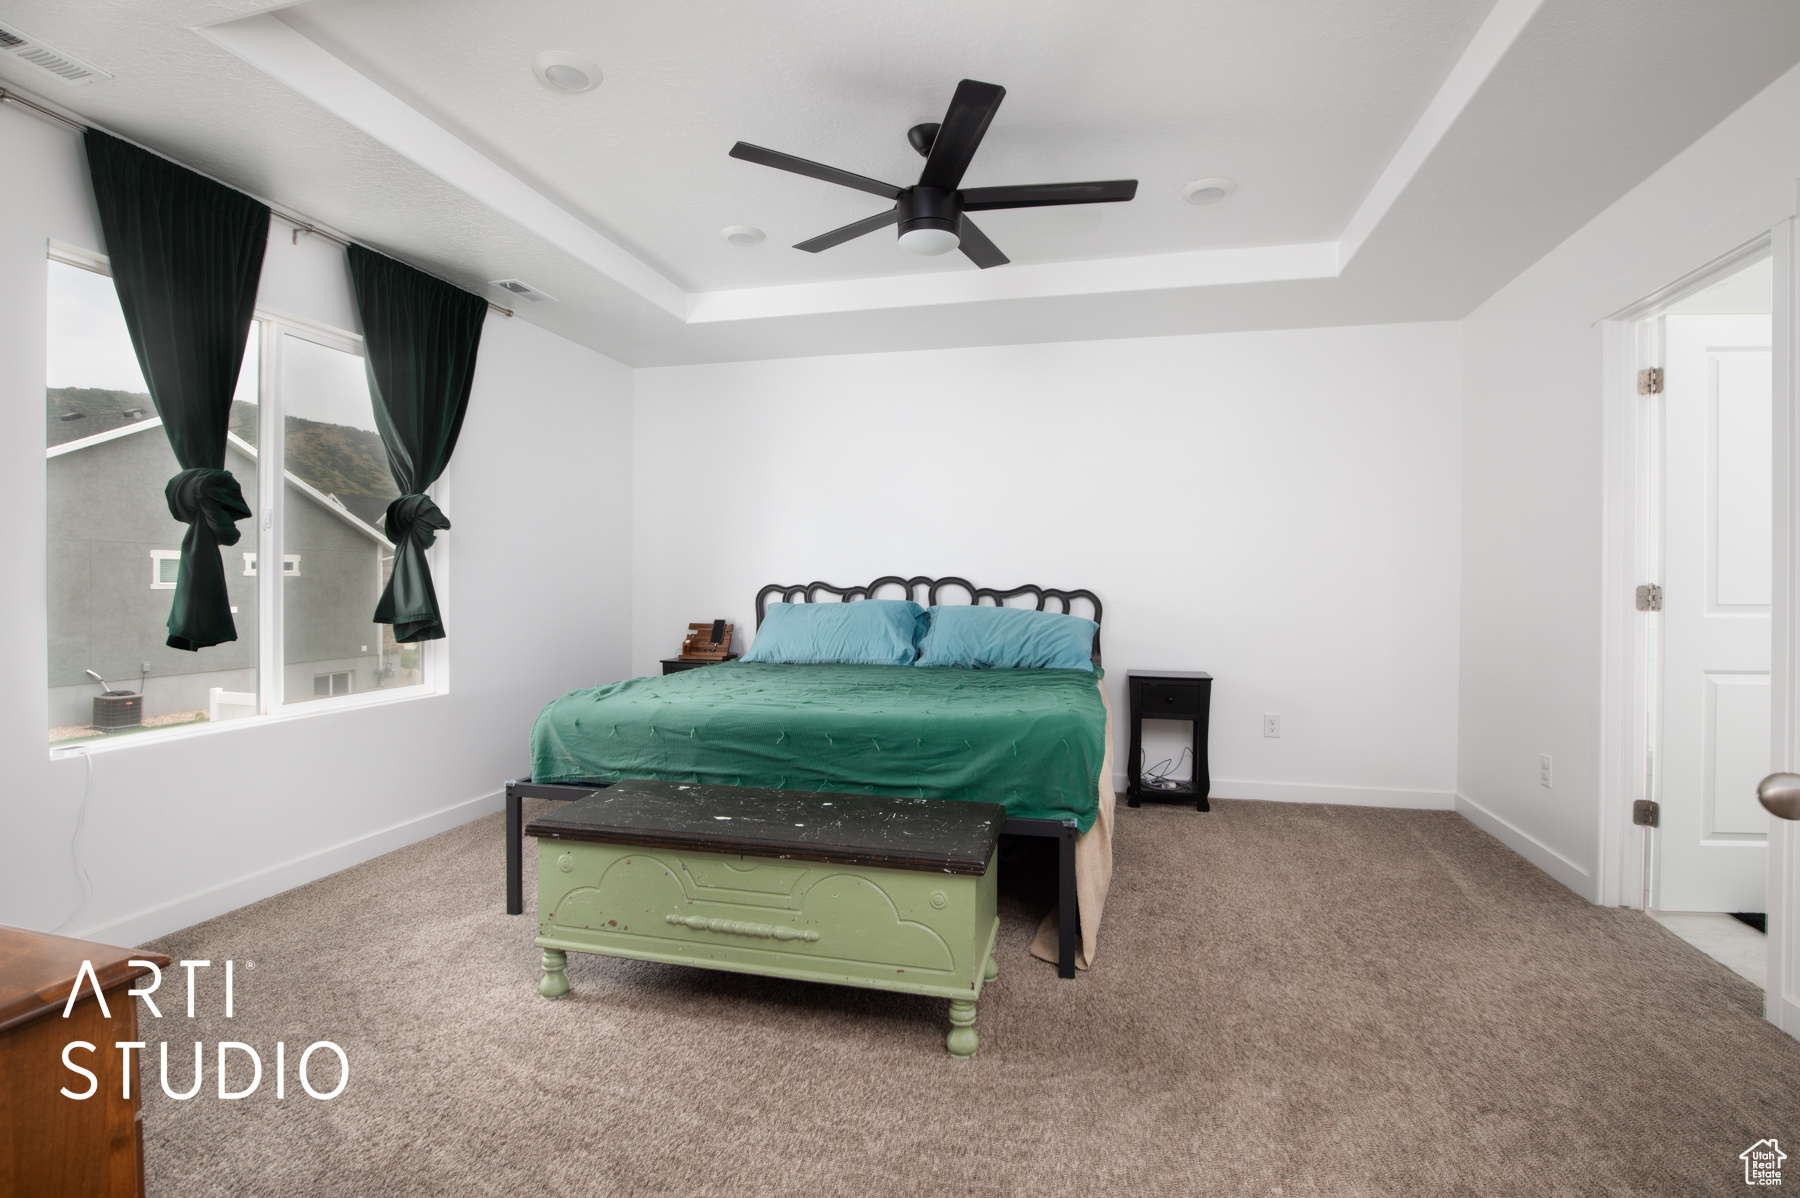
<point>912,588</point>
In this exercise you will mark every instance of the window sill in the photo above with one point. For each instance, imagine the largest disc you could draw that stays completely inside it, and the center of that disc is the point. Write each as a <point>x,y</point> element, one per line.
<point>289,712</point>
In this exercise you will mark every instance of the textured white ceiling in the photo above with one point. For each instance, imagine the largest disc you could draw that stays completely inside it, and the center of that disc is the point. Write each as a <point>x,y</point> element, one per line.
<point>1303,102</point>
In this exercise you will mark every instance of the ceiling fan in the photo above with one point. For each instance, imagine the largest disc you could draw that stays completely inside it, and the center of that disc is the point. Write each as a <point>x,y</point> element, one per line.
<point>932,213</point>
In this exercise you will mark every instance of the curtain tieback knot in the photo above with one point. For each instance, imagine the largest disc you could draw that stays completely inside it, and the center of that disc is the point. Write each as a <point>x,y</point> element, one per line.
<point>416,518</point>
<point>211,496</point>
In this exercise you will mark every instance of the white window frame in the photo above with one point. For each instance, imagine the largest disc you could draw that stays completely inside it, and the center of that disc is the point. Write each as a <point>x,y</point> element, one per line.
<point>272,325</point>
<point>157,558</point>
<point>349,683</point>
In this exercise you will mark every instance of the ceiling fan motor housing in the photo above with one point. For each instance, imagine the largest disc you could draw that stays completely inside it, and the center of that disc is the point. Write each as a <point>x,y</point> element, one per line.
<point>924,207</point>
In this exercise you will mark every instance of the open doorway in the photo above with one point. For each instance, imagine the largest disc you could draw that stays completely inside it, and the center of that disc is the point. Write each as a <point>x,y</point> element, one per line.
<point>1710,641</point>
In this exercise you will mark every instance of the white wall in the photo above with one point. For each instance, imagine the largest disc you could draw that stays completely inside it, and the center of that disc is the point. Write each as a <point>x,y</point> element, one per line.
<point>1532,495</point>
<point>1279,509</point>
<point>537,577</point>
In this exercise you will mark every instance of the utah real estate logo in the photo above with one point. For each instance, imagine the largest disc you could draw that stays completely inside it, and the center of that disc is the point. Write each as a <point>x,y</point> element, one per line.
<point>1762,1163</point>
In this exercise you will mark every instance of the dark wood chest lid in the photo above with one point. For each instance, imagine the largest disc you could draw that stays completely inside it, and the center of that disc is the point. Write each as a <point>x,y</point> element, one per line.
<point>936,835</point>
<point>38,968</point>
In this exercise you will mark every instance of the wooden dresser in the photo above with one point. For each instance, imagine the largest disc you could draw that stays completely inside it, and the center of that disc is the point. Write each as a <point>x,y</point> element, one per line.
<point>50,1145</point>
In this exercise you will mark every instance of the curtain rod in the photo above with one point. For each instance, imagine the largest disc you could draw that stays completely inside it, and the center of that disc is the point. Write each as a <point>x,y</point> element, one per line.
<point>299,225</point>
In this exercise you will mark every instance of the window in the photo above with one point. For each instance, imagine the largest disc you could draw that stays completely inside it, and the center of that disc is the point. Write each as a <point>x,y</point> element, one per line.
<point>106,461</point>
<point>332,512</point>
<point>290,565</point>
<point>323,483</point>
<point>326,685</point>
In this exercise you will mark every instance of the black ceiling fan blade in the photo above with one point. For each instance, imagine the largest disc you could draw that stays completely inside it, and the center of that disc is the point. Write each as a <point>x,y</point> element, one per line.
<point>979,249</point>
<point>966,122</point>
<point>814,170</point>
<point>1046,195</point>
<point>825,241</point>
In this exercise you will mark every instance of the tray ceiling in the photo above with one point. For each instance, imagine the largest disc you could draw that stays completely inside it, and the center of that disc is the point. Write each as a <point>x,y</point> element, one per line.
<point>1399,159</point>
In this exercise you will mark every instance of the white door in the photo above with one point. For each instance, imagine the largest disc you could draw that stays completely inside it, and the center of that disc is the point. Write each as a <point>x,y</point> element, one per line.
<point>1712,848</point>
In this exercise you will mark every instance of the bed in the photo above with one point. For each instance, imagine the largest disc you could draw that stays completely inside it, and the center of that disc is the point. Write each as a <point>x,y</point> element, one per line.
<point>1037,741</point>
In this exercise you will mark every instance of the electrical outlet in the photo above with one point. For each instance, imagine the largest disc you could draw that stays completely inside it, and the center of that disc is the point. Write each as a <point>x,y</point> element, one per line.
<point>1544,771</point>
<point>1271,725</point>
<point>143,667</point>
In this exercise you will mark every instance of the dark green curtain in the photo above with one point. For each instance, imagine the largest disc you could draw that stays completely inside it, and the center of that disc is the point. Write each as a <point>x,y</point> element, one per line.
<point>186,256</point>
<point>420,336</point>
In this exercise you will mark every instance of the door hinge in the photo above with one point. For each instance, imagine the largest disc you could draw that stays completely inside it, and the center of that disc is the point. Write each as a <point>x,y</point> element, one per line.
<point>1646,813</point>
<point>1650,380</point>
<point>1649,597</point>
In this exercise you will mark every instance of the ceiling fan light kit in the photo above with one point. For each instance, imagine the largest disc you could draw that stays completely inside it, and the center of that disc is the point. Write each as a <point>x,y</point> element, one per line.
<point>930,220</point>
<point>566,72</point>
<point>932,215</point>
<point>929,241</point>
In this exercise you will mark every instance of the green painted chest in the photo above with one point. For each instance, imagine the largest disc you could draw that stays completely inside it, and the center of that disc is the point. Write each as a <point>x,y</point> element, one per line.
<point>893,894</point>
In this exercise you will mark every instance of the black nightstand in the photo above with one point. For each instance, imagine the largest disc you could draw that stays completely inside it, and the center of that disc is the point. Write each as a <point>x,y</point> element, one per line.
<point>674,665</point>
<point>1168,695</point>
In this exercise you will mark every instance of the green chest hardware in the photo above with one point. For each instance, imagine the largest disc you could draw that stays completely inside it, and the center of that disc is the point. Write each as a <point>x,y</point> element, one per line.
<point>892,894</point>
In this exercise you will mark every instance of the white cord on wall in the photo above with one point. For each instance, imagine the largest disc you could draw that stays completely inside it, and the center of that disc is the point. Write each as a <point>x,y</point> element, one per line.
<point>81,873</point>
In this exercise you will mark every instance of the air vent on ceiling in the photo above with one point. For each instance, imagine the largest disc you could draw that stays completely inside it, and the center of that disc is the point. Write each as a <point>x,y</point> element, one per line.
<point>524,291</point>
<point>70,70</point>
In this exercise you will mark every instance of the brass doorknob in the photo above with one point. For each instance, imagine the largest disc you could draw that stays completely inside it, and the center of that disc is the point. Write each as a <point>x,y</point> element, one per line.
<point>1780,795</point>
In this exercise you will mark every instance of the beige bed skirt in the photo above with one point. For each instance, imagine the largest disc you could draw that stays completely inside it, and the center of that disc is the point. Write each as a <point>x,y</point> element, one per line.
<point>1093,867</point>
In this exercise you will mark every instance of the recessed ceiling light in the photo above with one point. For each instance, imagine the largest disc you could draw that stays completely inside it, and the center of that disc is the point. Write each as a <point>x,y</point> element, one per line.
<point>566,72</point>
<point>741,234</point>
<point>1207,191</point>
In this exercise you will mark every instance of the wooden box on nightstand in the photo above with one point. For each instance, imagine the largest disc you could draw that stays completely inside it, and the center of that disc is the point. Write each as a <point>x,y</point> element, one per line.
<point>675,665</point>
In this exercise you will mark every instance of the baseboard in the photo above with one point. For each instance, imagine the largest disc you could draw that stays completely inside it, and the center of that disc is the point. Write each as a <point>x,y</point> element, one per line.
<point>1313,792</point>
<point>1787,1018</point>
<point>1574,876</point>
<point>241,892</point>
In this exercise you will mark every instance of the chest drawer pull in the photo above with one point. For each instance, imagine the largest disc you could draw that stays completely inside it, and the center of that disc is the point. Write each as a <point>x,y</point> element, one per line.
<point>766,931</point>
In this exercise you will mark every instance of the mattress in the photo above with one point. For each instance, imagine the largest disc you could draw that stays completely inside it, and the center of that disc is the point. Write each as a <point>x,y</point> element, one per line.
<point>1031,740</point>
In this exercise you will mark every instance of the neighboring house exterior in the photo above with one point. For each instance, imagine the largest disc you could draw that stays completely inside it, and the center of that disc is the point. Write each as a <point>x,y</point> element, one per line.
<point>112,551</point>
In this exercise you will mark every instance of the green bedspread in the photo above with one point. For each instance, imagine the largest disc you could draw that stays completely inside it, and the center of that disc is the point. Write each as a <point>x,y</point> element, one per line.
<point>1033,740</point>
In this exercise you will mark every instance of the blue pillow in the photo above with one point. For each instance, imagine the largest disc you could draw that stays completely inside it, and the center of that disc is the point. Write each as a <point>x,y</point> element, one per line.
<point>982,638</point>
<point>870,632</point>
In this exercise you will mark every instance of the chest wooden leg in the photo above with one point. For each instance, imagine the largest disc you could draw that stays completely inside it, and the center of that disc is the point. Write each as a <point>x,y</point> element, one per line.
<point>962,1040</point>
<point>556,978</point>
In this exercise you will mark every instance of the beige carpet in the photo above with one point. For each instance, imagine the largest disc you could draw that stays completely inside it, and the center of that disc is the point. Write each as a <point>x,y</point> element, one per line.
<point>1289,1000</point>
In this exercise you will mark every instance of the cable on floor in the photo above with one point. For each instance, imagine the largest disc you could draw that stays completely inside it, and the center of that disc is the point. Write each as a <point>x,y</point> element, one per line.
<point>1157,776</point>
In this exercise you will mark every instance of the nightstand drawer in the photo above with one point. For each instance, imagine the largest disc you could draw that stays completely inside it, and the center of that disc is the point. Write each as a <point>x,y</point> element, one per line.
<point>1169,700</point>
